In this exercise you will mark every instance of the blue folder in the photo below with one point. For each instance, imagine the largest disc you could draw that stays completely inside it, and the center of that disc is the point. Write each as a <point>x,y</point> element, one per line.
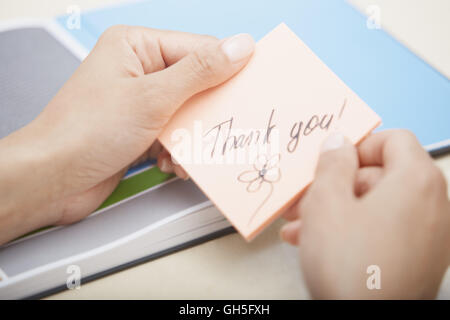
<point>404,90</point>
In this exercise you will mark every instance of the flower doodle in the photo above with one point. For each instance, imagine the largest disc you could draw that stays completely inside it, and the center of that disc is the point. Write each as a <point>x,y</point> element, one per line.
<point>265,171</point>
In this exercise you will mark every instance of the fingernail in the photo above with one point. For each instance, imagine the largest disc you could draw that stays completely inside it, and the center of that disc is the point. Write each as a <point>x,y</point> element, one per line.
<point>165,166</point>
<point>238,47</point>
<point>334,141</point>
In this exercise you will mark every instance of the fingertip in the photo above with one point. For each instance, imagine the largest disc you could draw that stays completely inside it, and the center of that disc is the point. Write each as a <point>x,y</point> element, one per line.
<point>165,165</point>
<point>390,148</point>
<point>290,232</point>
<point>179,171</point>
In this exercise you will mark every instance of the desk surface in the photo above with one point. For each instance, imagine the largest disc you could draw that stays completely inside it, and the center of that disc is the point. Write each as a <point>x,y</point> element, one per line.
<point>228,267</point>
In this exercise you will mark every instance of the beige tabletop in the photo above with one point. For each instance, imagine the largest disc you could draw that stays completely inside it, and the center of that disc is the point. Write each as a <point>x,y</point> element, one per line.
<point>229,267</point>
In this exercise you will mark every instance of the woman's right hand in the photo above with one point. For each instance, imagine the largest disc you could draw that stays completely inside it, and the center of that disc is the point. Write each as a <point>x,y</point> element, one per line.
<point>383,204</point>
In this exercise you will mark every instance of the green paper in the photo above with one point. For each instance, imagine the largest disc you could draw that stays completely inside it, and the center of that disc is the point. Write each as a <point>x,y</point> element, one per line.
<point>136,184</point>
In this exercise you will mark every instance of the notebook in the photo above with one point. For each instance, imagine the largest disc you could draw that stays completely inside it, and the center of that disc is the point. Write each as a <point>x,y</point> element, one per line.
<point>151,214</point>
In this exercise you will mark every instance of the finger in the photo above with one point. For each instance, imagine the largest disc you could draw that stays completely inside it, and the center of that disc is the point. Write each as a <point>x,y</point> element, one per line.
<point>152,153</point>
<point>164,163</point>
<point>168,164</point>
<point>155,149</point>
<point>179,171</point>
<point>172,45</point>
<point>366,179</point>
<point>207,66</point>
<point>391,149</point>
<point>336,168</point>
<point>290,232</point>
<point>405,163</point>
<point>155,49</point>
<point>292,213</point>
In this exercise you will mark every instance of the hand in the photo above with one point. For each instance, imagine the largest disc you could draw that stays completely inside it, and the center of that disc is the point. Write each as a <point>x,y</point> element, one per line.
<point>382,204</point>
<point>108,115</point>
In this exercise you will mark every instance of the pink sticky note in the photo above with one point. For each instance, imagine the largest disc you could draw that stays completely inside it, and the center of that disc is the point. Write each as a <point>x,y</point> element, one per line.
<point>252,143</point>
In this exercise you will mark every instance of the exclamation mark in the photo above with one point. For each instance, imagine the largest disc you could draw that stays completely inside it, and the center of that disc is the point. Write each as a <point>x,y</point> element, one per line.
<point>342,108</point>
<point>341,111</point>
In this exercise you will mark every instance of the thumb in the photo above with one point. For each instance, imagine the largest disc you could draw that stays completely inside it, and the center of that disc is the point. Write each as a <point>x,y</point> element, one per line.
<point>337,166</point>
<point>206,67</point>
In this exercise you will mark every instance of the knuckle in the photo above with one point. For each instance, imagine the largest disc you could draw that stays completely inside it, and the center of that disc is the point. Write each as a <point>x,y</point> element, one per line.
<point>209,38</point>
<point>205,40</point>
<point>437,179</point>
<point>202,65</point>
<point>405,136</point>
<point>114,32</point>
<point>132,33</point>
<point>431,180</point>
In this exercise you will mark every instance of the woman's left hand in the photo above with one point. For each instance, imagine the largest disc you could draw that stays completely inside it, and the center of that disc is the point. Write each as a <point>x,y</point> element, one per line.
<point>65,163</point>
